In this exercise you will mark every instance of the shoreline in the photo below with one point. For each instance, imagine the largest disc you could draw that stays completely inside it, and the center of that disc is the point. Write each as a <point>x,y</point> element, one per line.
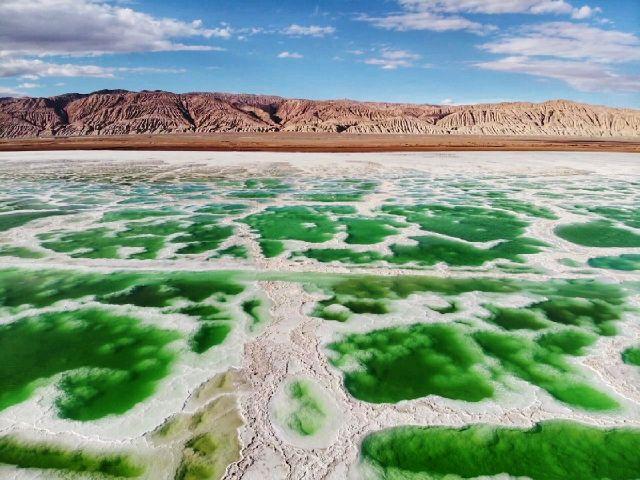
<point>320,143</point>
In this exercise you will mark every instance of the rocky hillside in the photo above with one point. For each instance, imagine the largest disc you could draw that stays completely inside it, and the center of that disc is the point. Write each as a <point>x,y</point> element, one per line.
<point>119,112</point>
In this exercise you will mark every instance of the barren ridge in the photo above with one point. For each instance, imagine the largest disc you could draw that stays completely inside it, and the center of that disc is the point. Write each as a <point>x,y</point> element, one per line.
<point>120,112</point>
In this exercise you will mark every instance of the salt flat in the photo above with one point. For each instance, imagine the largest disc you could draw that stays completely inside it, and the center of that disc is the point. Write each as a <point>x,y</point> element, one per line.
<point>261,315</point>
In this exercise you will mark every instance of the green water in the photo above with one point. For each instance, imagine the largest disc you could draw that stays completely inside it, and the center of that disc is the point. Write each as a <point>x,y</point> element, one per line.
<point>223,209</point>
<point>413,362</point>
<point>519,206</point>
<point>631,356</point>
<point>260,188</point>
<point>103,242</point>
<point>516,318</point>
<point>590,304</point>
<point>50,457</point>
<point>567,341</point>
<point>271,248</point>
<point>202,235</point>
<point>25,203</point>
<point>254,308</point>
<point>214,326</point>
<point>308,414</point>
<point>343,190</point>
<point>626,262</point>
<point>343,255</point>
<point>162,290</point>
<point>333,197</point>
<point>138,214</point>
<point>628,216</point>
<point>199,233</point>
<point>290,223</point>
<point>208,335</point>
<point>253,194</point>
<point>545,367</point>
<point>599,233</point>
<point>593,314</point>
<point>19,252</point>
<point>144,290</point>
<point>473,224</point>
<point>234,251</point>
<point>454,361</point>
<point>548,451</point>
<point>403,363</point>
<point>430,251</point>
<point>108,362</point>
<point>369,230</point>
<point>18,219</point>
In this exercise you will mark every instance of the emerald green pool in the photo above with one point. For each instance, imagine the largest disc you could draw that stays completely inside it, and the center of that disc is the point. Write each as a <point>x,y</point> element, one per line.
<point>547,451</point>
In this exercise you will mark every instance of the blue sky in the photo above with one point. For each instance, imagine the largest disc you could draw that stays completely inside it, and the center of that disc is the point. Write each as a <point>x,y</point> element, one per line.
<point>423,51</point>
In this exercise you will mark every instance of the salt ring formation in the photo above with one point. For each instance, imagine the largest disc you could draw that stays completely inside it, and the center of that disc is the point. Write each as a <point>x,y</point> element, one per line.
<point>409,316</point>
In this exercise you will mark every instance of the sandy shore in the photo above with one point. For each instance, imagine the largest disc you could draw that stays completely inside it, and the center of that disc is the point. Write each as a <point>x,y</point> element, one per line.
<point>322,142</point>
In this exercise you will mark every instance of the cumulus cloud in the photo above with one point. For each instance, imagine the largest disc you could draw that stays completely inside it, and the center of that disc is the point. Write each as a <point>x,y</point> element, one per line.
<point>308,31</point>
<point>445,15</point>
<point>496,7</point>
<point>584,76</point>
<point>426,21</point>
<point>290,55</point>
<point>88,27</point>
<point>32,69</point>
<point>575,53</point>
<point>490,7</point>
<point>389,59</point>
<point>571,41</point>
<point>10,92</point>
<point>585,12</point>
<point>28,85</point>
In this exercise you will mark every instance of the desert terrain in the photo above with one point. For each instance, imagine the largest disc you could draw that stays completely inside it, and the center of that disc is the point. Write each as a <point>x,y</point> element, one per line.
<point>320,142</point>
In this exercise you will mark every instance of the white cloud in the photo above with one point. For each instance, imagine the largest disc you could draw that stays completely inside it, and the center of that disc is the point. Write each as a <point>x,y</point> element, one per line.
<point>149,70</point>
<point>575,53</point>
<point>571,41</point>
<point>32,69</point>
<point>310,31</point>
<point>29,85</point>
<point>426,21</point>
<point>482,6</point>
<point>495,7</point>
<point>445,15</point>
<point>585,12</point>
<point>92,27</point>
<point>21,67</point>
<point>10,92</point>
<point>389,59</point>
<point>581,75</point>
<point>289,55</point>
<point>447,101</point>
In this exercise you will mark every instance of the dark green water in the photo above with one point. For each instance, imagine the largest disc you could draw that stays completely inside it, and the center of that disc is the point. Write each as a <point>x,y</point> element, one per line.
<point>49,457</point>
<point>108,362</point>
<point>548,451</point>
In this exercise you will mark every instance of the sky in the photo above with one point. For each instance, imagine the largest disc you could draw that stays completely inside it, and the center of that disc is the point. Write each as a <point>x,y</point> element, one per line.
<point>419,51</point>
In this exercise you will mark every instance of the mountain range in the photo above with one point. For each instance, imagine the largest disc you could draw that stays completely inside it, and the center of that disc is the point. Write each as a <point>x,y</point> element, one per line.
<point>121,112</point>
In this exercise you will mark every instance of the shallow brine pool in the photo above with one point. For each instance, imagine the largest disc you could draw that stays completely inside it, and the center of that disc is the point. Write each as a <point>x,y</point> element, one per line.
<point>182,315</point>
